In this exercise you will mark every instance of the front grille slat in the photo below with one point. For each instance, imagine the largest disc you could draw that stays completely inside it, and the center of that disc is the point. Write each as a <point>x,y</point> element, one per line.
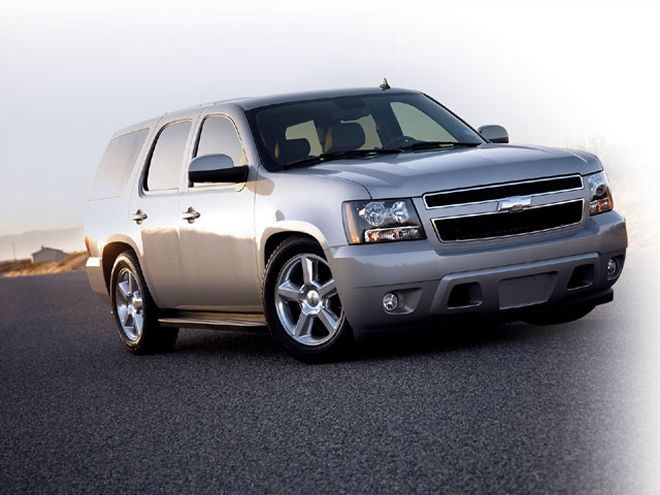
<point>503,224</point>
<point>491,193</point>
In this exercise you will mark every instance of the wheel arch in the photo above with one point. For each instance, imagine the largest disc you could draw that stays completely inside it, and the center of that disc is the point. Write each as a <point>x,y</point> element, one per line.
<point>109,254</point>
<point>273,237</point>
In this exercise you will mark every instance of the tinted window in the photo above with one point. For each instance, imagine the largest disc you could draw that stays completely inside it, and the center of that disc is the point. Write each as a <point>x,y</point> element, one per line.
<point>368,124</point>
<point>117,163</point>
<point>417,125</point>
<point>167,157</point>
<point>306,132</point>
<point>309,132</point>
<point>219,136</point>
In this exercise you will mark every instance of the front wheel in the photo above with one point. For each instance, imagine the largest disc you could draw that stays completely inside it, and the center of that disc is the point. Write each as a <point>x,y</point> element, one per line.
<point>301,302</point>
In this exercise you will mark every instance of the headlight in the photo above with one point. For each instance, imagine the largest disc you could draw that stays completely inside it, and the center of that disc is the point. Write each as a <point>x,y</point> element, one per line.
<point>599,193</point>
<point>381,221</point>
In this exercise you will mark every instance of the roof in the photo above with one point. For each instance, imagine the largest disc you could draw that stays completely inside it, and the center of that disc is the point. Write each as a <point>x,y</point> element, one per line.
<point>46,248</point>
<point>261,101</point>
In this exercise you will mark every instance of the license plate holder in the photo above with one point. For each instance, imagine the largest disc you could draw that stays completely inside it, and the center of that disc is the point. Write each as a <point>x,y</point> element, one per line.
<point>525,291</point>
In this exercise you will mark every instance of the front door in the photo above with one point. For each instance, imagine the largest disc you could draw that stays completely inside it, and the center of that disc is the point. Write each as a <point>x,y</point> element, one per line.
<point>217,244</point>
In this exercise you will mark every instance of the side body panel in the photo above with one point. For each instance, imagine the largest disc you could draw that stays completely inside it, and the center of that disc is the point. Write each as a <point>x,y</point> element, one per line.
<point>218,249</point>
<point>157,236</point>
<point>159,255</point>
<point>107,220</point>
<point>298,202</point>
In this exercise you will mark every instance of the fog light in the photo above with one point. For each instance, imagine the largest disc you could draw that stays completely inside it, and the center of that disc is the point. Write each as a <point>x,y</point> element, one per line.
<point>612,268</point>
<point>390,302</point>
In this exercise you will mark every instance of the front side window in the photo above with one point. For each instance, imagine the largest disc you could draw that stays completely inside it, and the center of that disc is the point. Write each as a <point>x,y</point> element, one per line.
<point>167,157</point>
<point>117,163</point>
<point>310,132</point>
<point>218,136</point>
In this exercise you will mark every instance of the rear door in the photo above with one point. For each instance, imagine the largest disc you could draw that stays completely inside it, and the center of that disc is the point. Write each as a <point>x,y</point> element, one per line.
<point>217,248</point>
<point>155,209</point>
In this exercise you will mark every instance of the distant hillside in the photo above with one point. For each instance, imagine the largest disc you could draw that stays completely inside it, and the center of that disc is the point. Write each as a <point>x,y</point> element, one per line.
<point>69,240</point>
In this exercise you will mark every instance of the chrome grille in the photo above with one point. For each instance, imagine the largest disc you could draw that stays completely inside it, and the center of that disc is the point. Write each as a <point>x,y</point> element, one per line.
<point>507,209</point>
<point>501,224</point>
<point>502,191</point>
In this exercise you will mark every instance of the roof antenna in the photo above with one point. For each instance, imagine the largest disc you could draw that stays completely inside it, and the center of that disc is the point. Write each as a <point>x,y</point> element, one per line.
<point>384,85</point>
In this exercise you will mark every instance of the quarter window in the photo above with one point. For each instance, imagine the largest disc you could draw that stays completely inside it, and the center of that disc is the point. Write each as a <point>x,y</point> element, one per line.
<point>117,163</point>
<point>167,157</point>
<point>218,136</point>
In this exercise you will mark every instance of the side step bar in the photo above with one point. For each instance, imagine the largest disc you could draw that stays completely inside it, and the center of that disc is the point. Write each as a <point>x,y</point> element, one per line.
<point>197,319</point>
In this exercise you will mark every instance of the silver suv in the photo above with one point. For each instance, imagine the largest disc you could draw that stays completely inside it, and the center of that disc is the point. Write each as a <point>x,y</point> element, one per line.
<point>330,213</point>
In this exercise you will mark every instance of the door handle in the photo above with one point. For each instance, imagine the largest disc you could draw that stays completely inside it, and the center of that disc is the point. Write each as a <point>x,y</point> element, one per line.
<point>139,217</point>
<point>190,214</point>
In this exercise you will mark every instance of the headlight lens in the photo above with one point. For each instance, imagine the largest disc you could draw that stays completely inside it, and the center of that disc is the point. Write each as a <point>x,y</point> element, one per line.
<point>600,194</point>
<point>381,221</point>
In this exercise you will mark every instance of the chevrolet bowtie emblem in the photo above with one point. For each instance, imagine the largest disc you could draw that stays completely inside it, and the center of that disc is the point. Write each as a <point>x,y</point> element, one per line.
<point>514,204</point>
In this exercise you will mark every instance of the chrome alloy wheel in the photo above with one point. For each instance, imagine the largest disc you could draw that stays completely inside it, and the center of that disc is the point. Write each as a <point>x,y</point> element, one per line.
<point>306,299</point>
<point>128,305</point>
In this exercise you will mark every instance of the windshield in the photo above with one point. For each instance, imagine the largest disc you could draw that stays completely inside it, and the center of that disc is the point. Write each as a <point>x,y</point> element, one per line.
<point>310,132</point>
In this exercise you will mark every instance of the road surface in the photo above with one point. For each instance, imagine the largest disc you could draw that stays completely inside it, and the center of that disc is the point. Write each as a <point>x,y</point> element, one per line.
<point>511,409</point>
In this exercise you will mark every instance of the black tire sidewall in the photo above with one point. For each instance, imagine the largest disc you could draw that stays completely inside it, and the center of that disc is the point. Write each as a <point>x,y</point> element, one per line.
<point>153,338</point>
<point>333,348</point>
<point>125,261</point>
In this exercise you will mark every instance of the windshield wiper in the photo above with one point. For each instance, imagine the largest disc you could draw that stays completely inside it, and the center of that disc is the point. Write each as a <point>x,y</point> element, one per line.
<point>350,154</point>
<point>343,155</point>
<point>427,145</point>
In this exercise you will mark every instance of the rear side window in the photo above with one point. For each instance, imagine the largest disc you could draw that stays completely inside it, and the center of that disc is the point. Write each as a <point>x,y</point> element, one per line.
<point>167,157</point>
<point>117,163</point>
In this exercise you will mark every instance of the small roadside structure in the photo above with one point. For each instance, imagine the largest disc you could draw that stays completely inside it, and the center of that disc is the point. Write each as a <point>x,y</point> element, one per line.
<point>48,254</point>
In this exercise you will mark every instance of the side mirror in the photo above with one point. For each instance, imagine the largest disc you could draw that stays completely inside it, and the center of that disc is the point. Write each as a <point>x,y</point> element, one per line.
<point>216,168</point>
<point>494,133</point>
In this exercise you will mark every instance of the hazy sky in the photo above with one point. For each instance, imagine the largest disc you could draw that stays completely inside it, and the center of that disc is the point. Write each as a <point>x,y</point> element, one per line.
<point>73,72</point>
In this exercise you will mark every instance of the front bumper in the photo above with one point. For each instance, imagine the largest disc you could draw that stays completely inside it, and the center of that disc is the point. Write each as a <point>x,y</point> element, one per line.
<point>506,280</point>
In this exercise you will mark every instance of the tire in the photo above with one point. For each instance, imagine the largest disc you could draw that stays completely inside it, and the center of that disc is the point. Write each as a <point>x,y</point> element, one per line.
<point>301,303</point>
<point>559,315</point>
<point>135,313</point>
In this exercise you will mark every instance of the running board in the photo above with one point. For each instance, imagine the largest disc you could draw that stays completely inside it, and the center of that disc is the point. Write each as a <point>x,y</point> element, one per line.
<point>196,319</point>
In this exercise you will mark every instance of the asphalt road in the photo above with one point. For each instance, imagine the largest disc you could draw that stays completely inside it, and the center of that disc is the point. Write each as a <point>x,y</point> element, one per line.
<point>511,409</point>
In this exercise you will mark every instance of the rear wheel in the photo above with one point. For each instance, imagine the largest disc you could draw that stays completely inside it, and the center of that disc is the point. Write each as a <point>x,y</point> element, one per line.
<point>559,315</point>
<point>301,302</point>
<point>136,314</point>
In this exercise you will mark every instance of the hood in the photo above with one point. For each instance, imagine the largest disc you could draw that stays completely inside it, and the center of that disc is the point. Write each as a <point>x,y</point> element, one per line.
<point>414,174</point>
